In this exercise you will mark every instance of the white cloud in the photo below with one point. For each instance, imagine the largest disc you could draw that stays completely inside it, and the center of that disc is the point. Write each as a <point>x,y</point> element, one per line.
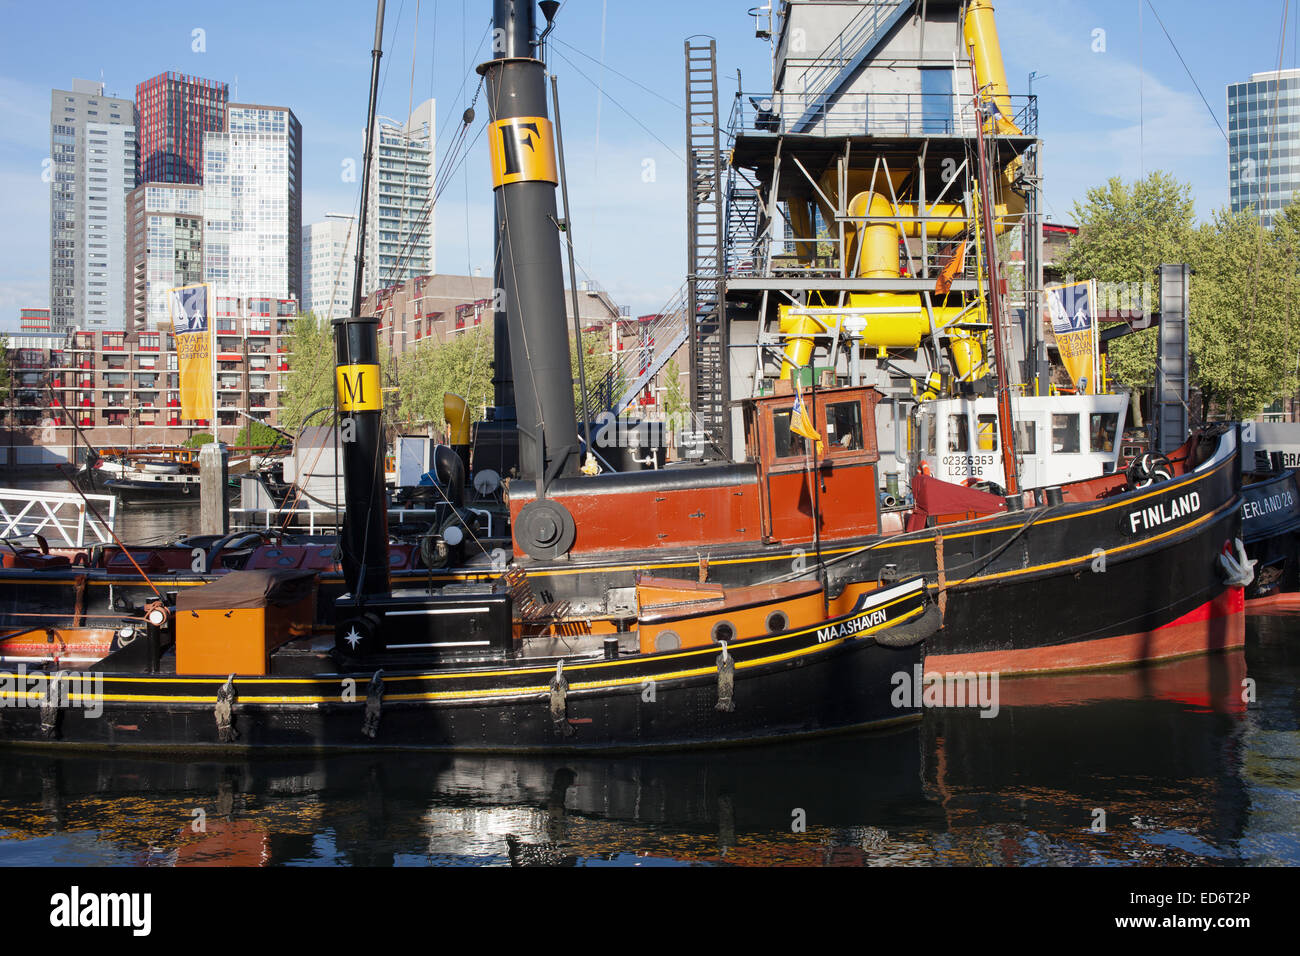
<point>1101,115</point>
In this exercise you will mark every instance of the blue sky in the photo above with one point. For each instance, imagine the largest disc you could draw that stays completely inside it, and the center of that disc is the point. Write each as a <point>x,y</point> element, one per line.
<point>1108,108</point>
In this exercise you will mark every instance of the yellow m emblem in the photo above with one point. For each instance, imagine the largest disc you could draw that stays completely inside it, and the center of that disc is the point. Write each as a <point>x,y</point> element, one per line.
<point>358,388</point>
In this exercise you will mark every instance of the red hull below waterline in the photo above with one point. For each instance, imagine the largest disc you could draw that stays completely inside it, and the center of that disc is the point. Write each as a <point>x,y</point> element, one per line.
<point>1216,625</point>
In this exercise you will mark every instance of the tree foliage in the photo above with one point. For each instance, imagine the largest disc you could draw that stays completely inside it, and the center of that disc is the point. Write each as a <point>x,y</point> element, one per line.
<point>310,382</point>
<point>1125,232</point>
<point>603,381</point>
<point>419,377</point>
<point>461,365</point>
<point>676,401</point>
<point>1245,288</point>
<point>258,435</point>
<point>1242,334</point>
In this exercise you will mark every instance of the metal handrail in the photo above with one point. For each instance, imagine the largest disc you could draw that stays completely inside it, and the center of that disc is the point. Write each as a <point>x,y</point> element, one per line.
<point>861,28</point>
<point>876,113</point>
<point>317,519</point>
<point>64,517</point>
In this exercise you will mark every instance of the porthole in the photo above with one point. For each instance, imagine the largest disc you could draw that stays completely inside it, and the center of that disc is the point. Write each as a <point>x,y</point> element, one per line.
<point>724,631</point>
<point>667,641</point>
<point>777,622</point>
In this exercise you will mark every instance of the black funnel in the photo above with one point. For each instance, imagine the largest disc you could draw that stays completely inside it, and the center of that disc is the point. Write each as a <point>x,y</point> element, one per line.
<point>524,176</point>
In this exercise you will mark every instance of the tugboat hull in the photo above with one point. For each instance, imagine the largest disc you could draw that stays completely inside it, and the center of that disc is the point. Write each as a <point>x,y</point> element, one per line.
<point>1270,518</point>
<point>1121,579</point>
<point>834,677</point>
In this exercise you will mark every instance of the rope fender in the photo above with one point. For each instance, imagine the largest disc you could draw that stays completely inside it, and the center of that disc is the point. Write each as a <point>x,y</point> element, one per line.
<point>224,712</point>
<point>726,681</point>
<point>559,691</point>
<point>374,705</point>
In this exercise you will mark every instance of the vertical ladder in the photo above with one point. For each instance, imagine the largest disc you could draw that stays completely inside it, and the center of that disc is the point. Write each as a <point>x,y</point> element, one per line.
<point>1171,358</point>
<point>706,279</point>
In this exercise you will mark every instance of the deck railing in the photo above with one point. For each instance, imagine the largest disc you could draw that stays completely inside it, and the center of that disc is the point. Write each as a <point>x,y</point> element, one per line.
<point>61,517</point>
<point>875,114</point>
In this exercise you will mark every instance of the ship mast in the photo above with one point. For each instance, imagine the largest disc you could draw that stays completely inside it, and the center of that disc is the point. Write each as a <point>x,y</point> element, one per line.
<point>375,54</point>
<point>363,545</point>
<point>1006,430</point>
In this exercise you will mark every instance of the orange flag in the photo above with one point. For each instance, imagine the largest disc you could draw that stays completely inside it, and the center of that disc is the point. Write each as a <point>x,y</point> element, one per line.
<point>955,265</point>
<point>800,422</point>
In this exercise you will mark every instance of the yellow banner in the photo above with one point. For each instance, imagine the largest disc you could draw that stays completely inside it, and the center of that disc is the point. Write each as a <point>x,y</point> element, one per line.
<point>1075,323</point>
<point>189,313</point>
<point>523,150</point>
<point>359,388</point>
<point>194,356</point>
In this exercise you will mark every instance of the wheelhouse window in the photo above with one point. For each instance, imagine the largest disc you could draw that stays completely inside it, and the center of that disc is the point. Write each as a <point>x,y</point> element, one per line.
<point>986,433</point>
<point>1065,434</point>
<point>844,426</point>
<point>1027,437</point>
<point>788,444</point>
<point>958,433</point>
<point>1102,427</point>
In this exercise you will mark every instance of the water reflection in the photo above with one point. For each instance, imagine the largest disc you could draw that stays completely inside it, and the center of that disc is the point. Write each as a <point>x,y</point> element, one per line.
<point>1182,767</point>
<point>139,520</point>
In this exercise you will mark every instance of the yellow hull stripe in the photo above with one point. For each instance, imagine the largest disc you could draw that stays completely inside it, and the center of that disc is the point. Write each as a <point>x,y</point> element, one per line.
<point>514,692</point>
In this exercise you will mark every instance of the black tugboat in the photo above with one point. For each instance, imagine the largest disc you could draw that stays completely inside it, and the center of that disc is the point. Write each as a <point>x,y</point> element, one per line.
<point>619,585</point>
<point>491,665</point>
<point>1270,525</point>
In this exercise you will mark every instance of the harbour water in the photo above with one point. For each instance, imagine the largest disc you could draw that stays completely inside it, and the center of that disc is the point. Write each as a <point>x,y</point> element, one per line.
<point>1165,765</point>
<point>139,521</point>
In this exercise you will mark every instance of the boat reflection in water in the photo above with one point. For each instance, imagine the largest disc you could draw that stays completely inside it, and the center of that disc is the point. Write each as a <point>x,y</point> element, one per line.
<point>1162,750</point>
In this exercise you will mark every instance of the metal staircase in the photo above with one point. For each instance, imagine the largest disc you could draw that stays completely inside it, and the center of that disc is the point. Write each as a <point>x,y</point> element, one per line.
<point>819,84</point>
<point>745,226</point>
<point>631,371</point>
<point>706,281</point>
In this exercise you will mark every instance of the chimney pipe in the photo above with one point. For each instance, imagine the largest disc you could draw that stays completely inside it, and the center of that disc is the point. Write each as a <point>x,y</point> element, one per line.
<point>531,278</point>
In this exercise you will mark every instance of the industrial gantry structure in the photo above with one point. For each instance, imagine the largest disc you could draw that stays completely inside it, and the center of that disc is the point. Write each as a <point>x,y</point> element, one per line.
<point>833,224</point>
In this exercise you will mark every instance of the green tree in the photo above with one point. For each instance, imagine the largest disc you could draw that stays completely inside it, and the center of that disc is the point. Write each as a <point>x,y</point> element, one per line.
<point>461,365</point>
<point>598,364</point>
<point>310,382</point>
<point>197,440</point>
<point>1242,333</point>
<point>258,435</point>
<point>676,401</point>
<point>1245,288</point>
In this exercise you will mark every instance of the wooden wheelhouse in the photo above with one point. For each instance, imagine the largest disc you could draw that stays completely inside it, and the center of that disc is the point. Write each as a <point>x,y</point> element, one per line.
<point>769,499</point>
<point>844,496</point>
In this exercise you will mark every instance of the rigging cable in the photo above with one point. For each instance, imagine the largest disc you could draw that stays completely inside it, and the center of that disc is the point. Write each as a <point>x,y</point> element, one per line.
<point>1188,70</point>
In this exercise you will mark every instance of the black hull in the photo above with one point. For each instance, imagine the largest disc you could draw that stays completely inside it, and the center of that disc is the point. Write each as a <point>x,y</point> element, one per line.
<point>1021,590</point>
<point>798,684</point>
<point>1270,513</point>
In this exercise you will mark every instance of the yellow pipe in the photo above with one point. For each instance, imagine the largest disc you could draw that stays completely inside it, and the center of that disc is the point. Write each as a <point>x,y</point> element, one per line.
<point>897,320</point>
<point>799,332</point>
<point>801,223</point>
<point>456,413</point>
<point>981,35</point>
<point>903,325</point>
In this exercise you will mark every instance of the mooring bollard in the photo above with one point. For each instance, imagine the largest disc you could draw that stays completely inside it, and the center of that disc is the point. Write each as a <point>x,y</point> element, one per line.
<point>214,471</point>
